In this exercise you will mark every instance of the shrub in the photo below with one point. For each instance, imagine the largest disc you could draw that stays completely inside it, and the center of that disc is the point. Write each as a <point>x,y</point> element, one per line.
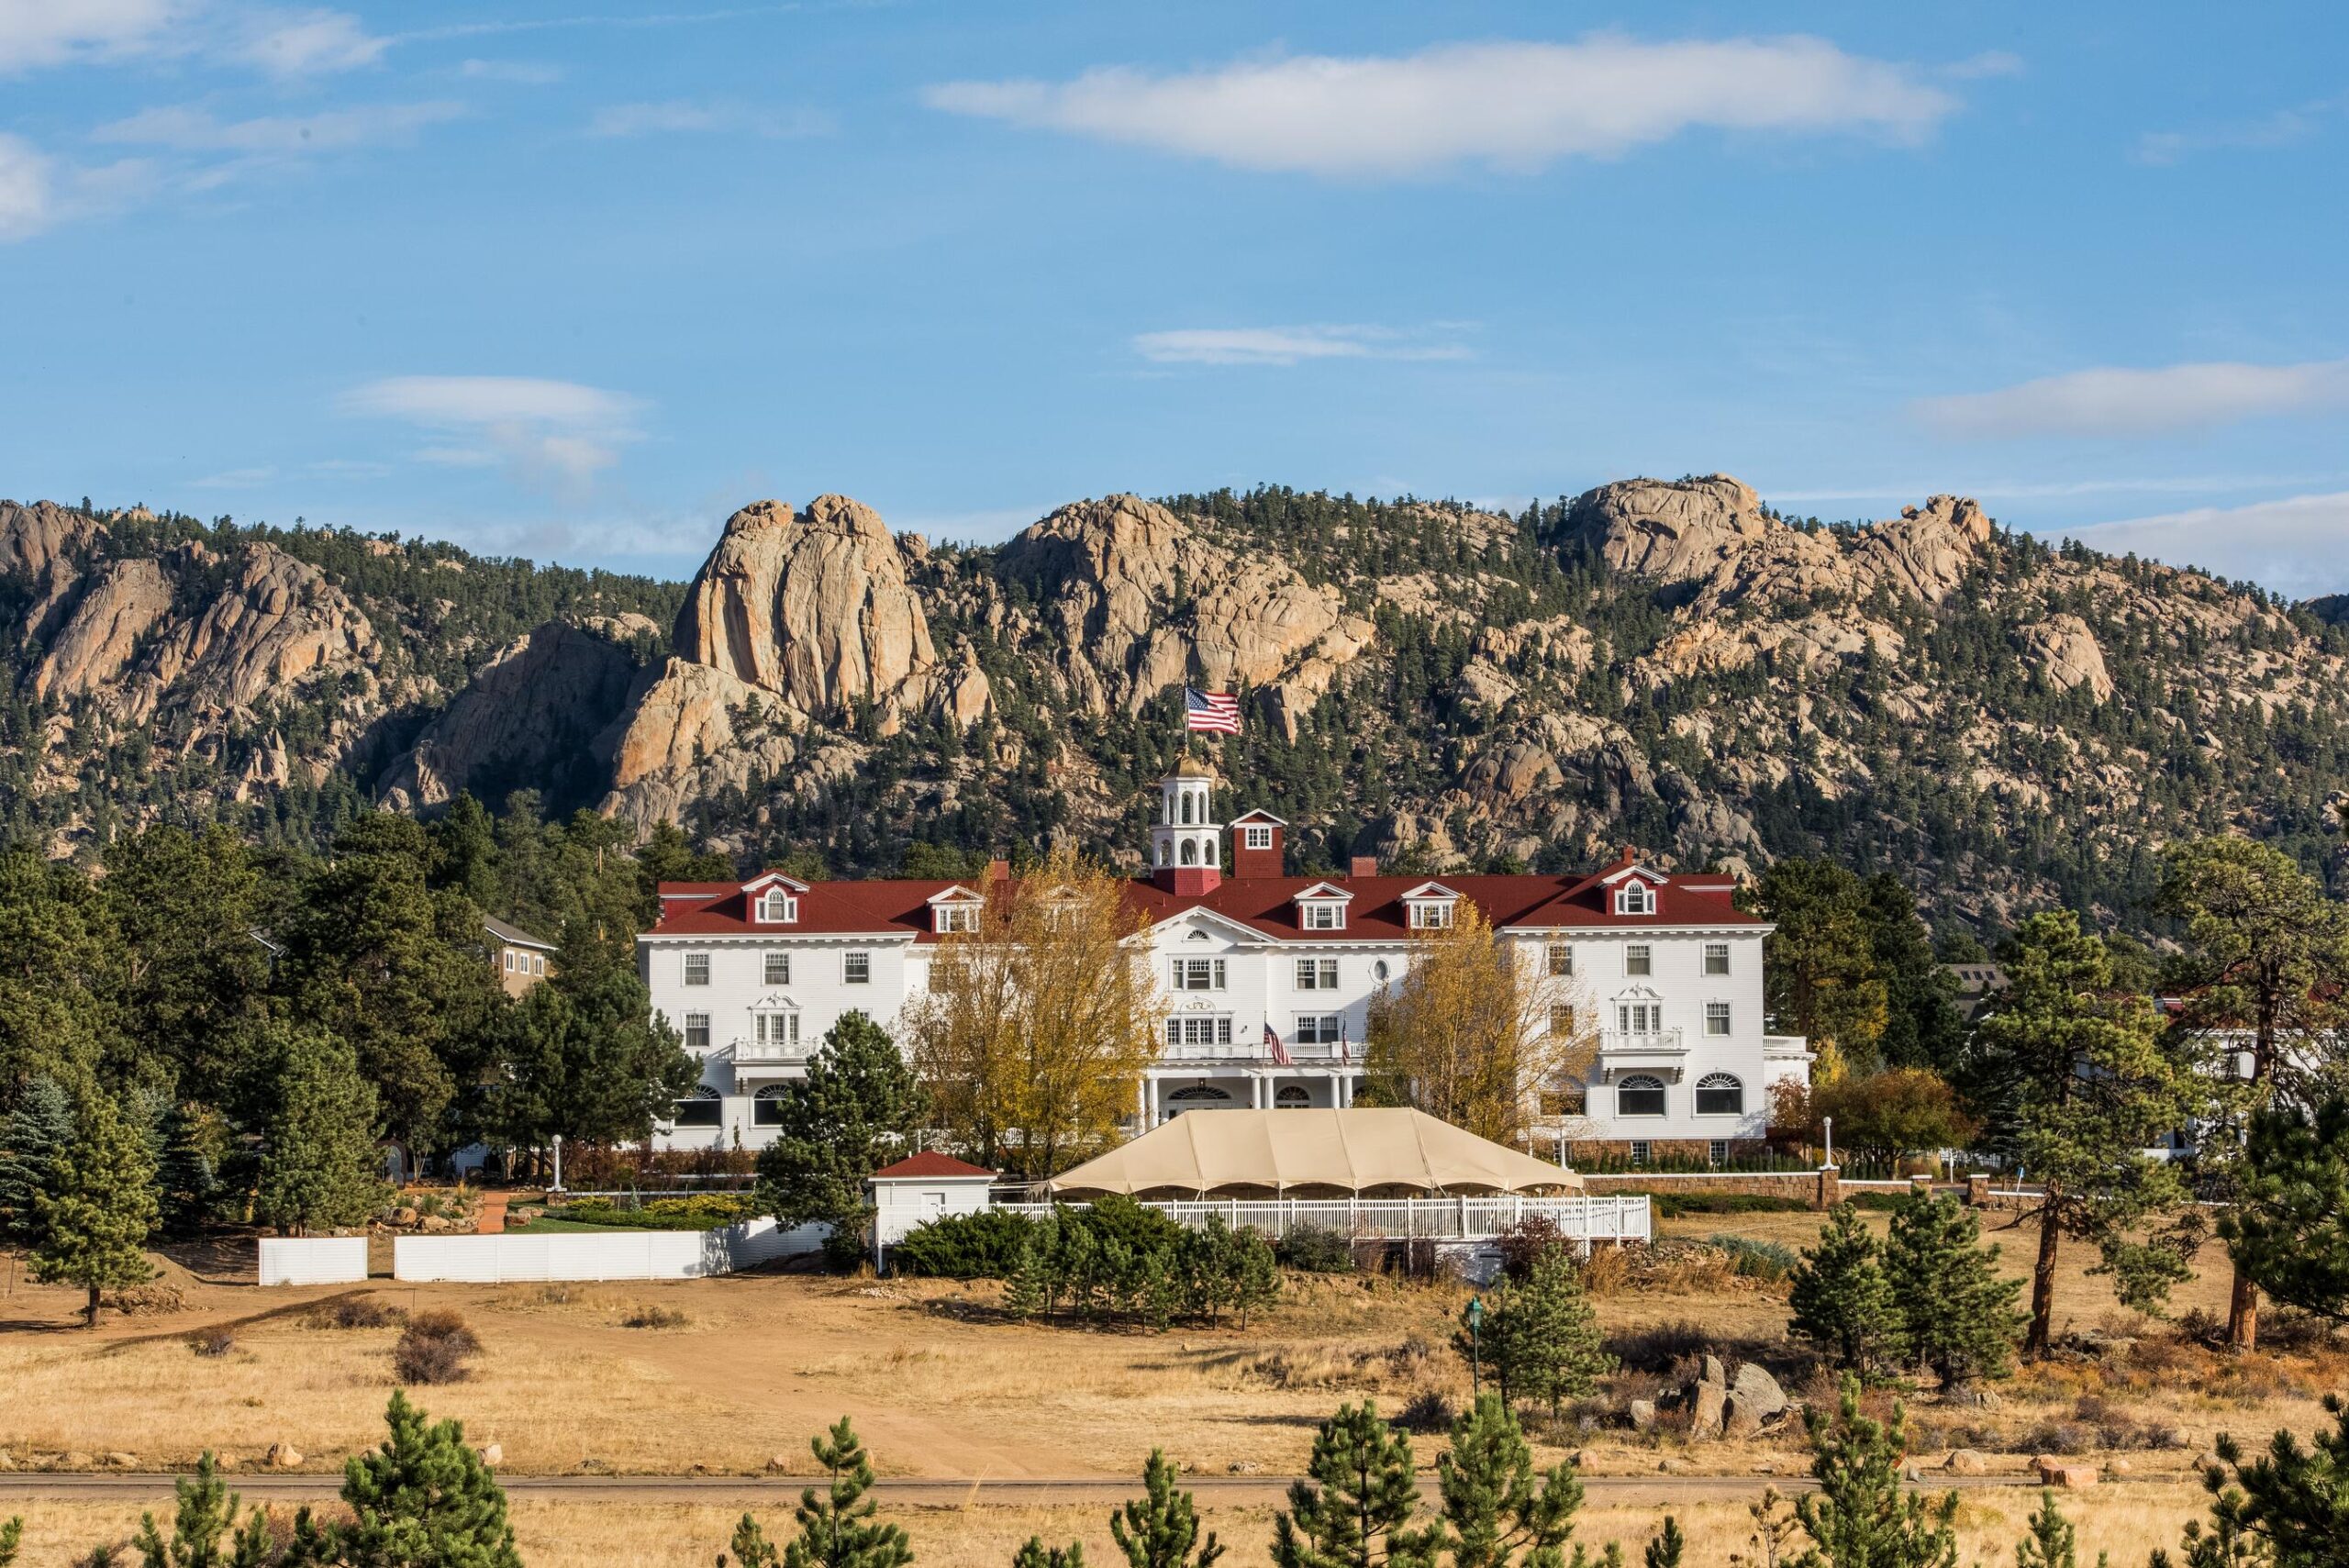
<point>1315,1249</point>
<point>1658,1346</point>
<point>215,1341</point>
<point>1764,1261</point>
<point>964,1246</point>
<point>1522,1244</point>
<point>357,1312</point>
<point>1426,1414</point>
<point>433,1349</point>
<point>697,1211</point>
<point>1672,1206</point>
<point>652,1315</point>
<point>440,1323</point>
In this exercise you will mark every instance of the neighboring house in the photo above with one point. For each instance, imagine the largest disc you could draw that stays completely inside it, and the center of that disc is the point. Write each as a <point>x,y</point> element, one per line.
<point>522,959</point>
<point>1265,980</point>
<point>1978,985</point>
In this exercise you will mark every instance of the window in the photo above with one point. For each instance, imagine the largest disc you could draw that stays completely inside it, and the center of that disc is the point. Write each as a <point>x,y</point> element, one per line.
<point>1379,972</point>
<point>701,1108</point>
<point>1566,1101</point>
<point>1562,959</point>
<point>1635,897</point>
<point>1640,1094</point>
<point>1430,914</point>
<point>1562,1020</point>
<point>511,956</point>
<point>957,918</point>
<point>1199,1029</point>
<point>1322,914</point>
<point>1717,1018</point>
<point>1316,1029</point>
<point>1317,974</point>
<point>1190,852</point>
<point>856,969</point>
<point>766,1109</point>
<point>778,907</point>
<point>1255,838</point>
<point>1717,1152</point>
<point>1198,975</point>
<point>538,964</point>
<point>778,968</point>
<point>1641,1152</point>
<point>697,969</point>
<point>1639,1017</point>
<point>1639,959</point>
<point>1721,1094</point>
<point>776,1031</point>
<point>697,1033</point>
<point>1717,958</point>
<point>1291,1097</point>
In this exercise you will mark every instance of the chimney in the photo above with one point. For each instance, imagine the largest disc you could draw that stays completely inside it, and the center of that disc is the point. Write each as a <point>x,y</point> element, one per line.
<point>1363,865</point>
<point>998,871</point>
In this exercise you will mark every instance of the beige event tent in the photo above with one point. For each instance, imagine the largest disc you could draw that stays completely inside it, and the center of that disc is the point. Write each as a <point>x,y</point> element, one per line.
<point>1366,1151</point>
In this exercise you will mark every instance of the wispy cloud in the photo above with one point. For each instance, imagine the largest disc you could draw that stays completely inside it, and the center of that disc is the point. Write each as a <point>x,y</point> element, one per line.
<point>2121,401</point>
<point>559,434</point>
<point>37,33</point>
<point>39,192</point>
<point>522,72</point>
<point>1295,345</point>
<point>306,43</point>
<point>2299,545</point>
<point>725,118</point>
<point>185,128</point>
<point>282,43</point>
<point>2057,489</point>
<point>1517,106</point>
<point>2283,128</point>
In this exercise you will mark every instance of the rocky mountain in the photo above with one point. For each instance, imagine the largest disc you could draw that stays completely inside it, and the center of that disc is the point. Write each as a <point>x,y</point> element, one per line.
<point>1668,663</point>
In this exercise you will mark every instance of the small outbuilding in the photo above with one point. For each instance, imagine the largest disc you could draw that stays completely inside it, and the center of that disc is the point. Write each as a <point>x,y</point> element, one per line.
<point>921,1187</point>
<point>1351,1151</point>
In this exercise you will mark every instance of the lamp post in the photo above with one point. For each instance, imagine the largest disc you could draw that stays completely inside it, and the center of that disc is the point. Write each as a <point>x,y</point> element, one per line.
<point>1475,1347</point>
<point>1829,1123</point>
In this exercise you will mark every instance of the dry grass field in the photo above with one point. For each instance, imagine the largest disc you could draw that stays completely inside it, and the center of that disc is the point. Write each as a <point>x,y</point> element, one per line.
<point>940,1386</point>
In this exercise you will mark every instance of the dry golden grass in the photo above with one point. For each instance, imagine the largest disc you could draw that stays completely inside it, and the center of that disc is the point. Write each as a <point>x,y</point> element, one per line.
<point>562,1533</point>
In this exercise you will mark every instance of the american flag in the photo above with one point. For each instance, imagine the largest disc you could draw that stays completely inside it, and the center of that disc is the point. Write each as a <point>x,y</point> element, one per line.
<point>1217,713</point>
<point>1344,1053</point>
<point>1279,1052</point>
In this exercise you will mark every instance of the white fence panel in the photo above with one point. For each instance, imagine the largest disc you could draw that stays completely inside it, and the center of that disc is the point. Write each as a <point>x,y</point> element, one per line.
<point>581,1256</point>
<point>313,1260</point>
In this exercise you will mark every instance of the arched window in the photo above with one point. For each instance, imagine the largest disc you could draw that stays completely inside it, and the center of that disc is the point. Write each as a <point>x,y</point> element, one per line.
<point>1635,897</point>
<point>1292,1097</point>
<point>1164,850</point>
<point>1195,1096</point>
<point>1721,1094</point>
<point>1210,852</point>
<point>700,1109</point>
<point>1190,852</point>
<point>766,1110</point>
<point>1186,808</point>
<point>776,907</point>
<point>1640,1094</point>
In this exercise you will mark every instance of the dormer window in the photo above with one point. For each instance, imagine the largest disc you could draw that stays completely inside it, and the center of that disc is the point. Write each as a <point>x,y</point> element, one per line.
<point>777,907</point>
<point>1635,897</point>
<point>1431,914</point>
<point>1322,914</point>
<point>1255,836</point>
<point>955,917</point>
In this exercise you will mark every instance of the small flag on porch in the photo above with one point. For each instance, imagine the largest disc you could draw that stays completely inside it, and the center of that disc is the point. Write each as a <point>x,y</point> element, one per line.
<point>1216,713</point>
<point>1345,1053</point>
<point>1279,1052</point>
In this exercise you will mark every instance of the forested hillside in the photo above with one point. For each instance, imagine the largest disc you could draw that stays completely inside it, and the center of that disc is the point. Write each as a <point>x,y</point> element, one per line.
<point>1672,665</point>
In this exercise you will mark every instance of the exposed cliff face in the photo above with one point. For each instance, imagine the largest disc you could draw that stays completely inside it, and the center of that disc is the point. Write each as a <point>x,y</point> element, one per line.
<point>527,718</point>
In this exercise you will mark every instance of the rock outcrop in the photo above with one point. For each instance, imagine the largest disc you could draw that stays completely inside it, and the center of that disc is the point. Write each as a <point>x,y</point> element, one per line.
<point>2066,652</point>
<point>122,602</point>
<point>277,622</point>
<point>525,719</point>
<point>33,537</point>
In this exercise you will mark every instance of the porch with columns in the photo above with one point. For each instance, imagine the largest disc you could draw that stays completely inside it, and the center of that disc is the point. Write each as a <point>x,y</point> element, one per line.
<point>1166,1092</point>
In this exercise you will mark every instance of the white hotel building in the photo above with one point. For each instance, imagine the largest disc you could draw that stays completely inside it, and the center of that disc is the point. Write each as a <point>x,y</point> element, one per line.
<point>752,973</point>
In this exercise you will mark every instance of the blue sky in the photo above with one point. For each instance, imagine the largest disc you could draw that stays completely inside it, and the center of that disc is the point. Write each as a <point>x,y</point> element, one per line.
<point>575,284</point>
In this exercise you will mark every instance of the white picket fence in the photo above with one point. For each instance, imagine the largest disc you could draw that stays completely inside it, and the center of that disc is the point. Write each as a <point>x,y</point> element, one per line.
<point>582,1255</point>
<point>313,1260</point>
<point>1584,1219</point>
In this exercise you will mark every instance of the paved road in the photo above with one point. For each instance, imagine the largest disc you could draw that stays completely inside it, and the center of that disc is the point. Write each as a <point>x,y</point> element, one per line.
<point>912,1492</point>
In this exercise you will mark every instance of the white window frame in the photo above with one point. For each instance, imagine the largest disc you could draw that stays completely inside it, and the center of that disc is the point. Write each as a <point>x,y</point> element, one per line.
<point>775,966</point>
<point>775,1027</point>
<point>1562,1012</point>
<point>696,1022</point>
<point>1716,1081</point>
<point>691,960</point>
<point>1431,914</point>
<point>1562,960</point>
<point>1198,1029</point>
<point>1716,953</point>
<point>851,962</point>
<point>1200,975</point>
<point>1639,960</point>
<point>1723,1013</point>
<point>1317,974</point>
<point>1317,1028</point>
<point>777,907</point>
<point>1322,914</point>
<point>1635,897</point>
<point>1255,836</point>
<point>952,917</point>
<point>1645,1084</point>
<point>1630,1016</point>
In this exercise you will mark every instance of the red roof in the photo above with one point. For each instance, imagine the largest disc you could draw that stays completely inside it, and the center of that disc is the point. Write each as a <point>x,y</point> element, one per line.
<point>1265,904</point>
<point>930,1163</point>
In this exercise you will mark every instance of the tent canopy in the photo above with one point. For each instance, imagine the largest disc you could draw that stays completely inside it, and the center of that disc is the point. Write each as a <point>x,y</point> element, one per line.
<point>1365,1151</point>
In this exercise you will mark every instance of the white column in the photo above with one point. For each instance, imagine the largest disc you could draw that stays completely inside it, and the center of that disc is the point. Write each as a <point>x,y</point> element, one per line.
<point>1153,1120</point>
<point>1255,1091</point>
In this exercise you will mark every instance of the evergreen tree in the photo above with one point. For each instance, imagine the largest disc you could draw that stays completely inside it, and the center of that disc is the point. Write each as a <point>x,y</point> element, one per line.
<point>2289,1233</point>
<point>423,1499</point>
<point>1556,1345</point>
<point>837,1528</point>
<point>184,907</point>
<point>1161,1528</point>
<point>1355,1509</point>
<point>186,1179</point>
<point>837,1125</point>
<point>2078,1079</point>
<point>586,1058</point>
<point>317,1166</point>
<point>1027,1288</point>
<point>1666,1549</point>
<point>1841,1300</point>
<point>204,1510</point>
<point>1956,1313</point>
<point>2051,1543</point>
<point>2288,1508</point>
<point>94,1221</point>
<point>56,971</point>
<point>1820,963</point>
<point>32,1135</point>
<point>750,1547</point>
<point>12,1536</point>
<point>1495,1516</point>
<point>1860,1518</point>
<point>1034,1553</point>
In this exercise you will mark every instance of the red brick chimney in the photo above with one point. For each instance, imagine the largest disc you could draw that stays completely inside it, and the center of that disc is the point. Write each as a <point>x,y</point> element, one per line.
<point>1363,865</point>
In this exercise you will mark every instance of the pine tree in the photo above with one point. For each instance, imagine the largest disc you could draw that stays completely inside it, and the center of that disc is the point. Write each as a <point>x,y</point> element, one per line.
<point>2289,1234</point>
<point>1028,1291</point>
<point>1257,1284</point>
<point>750,1547</point>
<point>1034,1553</point>
<point>1494,1513</point>
<point>1161,1528</point>
<point>32,1135</point>
<point>837,1125</point>
<point>318,1157</point>
<point>1356,1510</point>
<point>1666,1549</point>
<point>1841,1300</point>
<point>1956,1311</point>
<point>12,1536</point>
<point>95,1219</point>
<point>204,1510</point>
<point>2051,1543</point>
<point>2288,1508</point>
<point>185,1180</point>
<point>423,1499</point>
<point>1860,1518</point>
<point>1541,1338</point>
<point>837,1528</point>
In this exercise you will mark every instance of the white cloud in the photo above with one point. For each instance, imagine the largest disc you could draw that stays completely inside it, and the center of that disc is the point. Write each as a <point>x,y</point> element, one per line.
<point>2299,545</point>
<point>2281,129</point>
<point>34,33</point>
<point>39,192</point>
<point>305,43</point>
<point>559,434</point>
<point>1291,345</point>
<point>188,130</point>
<point>2117,402</point>
<point>651,120</point>
<point>27,197</point>
<point>525,73</point>
<point>1517,107</point>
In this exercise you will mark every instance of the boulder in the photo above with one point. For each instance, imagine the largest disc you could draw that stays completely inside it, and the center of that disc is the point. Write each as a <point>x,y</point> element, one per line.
<point>1754,1400</point>
<point>1973,1397</point>
<point>777,1463</point>
<point>2066,1476</point>
<point>283,1456</point>
<point>1966,1462</point>
<point>493,1453</point>
<point>1707,1408</point>
<point>1642,1415</point>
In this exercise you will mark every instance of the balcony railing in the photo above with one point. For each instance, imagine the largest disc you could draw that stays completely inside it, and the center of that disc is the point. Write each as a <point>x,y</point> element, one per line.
<point>1254,1052</point>
<point>754,1053</point>
<point>1654,1042</point>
